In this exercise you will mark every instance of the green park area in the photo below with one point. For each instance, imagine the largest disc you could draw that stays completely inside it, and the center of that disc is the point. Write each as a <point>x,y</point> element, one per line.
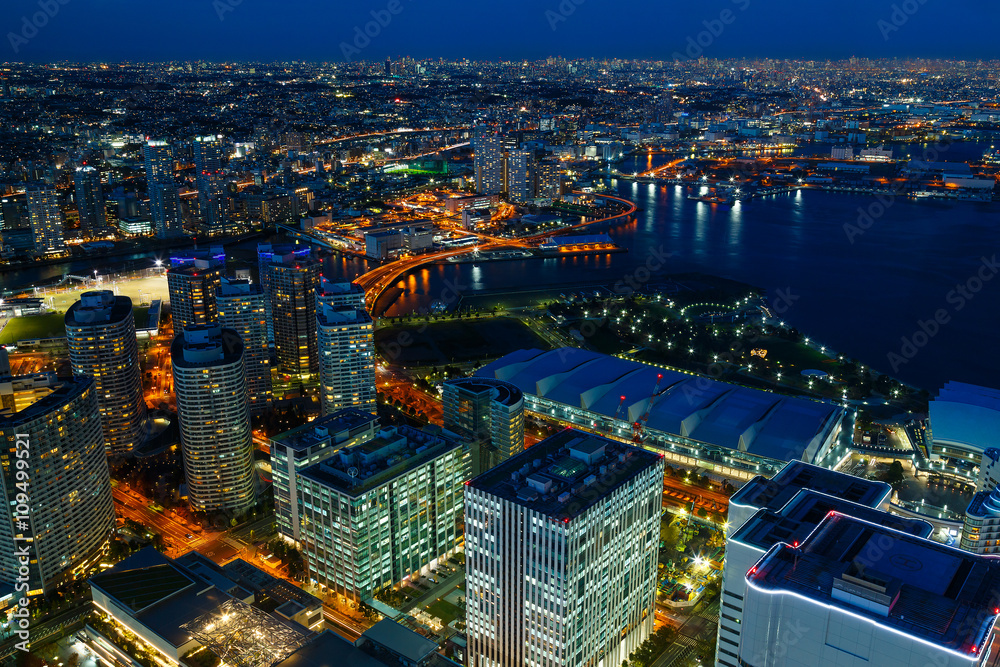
<point>436,343</point>
<point>444,610</point>
<point>50,325</point>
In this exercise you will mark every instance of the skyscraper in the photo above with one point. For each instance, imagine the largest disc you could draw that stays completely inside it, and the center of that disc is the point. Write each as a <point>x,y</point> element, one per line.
<point>214,413</point>
<point>346,359</point>
<point>290,281</point>
<point>46,220</point>
<point>90,202</point>
<point>192,290</point>
<point>241,308</point>
<point>212,197</point>
<point>100,331</point>
<point>561,546</point>
<point>489,415</point>
<point>489,165</point>
<point>520,175</point>
<point>208,153</point>
<point>159,159</point>
<point>378,512</point>
<point>55,426</point>
<point>165,210</point>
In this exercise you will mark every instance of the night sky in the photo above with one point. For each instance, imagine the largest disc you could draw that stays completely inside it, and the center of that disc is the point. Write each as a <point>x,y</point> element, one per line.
<point>316,30</point>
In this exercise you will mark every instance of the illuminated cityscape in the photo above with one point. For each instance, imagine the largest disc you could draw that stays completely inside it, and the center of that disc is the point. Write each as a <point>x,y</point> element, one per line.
<point>521,335</point>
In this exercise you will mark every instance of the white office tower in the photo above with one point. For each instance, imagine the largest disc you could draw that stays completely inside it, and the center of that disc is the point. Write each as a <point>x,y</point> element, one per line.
<point>787,508</point>
<point>378,512</point>
<point>561,554</point>
<point>46,220</point>
<point>53,425</point>
<point>214,413</point>
<point>240,305</point>
<point>307,445</point>
<point>346,359</point>
<point>100,332</point>
<point>856,594</point>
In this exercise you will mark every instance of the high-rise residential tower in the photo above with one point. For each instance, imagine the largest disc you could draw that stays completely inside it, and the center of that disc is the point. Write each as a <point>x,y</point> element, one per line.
<point>561,546</point>
<point>241,308</point>
<point>290,281</point>
<point>192,289</point>
<point>165,210</point>
<point>489,165</point>
<point>214,412</point>
<point>346,359</point>
<point>489,415</point>
<point>46,220</point>
<point>90,202</point>
<point>55,426</point>
<point>159,158</point>
<point>100,331</point>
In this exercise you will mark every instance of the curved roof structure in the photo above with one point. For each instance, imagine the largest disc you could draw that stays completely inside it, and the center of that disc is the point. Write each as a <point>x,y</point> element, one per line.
<point>714,413</point>
<point>966,416</point>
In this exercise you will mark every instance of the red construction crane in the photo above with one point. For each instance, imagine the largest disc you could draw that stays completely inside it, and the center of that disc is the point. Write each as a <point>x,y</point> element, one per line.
<point>611,426</point>
<point>639,427</point>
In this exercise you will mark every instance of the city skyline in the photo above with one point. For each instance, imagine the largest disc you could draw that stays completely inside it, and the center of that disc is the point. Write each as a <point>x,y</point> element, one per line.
<point>234,30</point>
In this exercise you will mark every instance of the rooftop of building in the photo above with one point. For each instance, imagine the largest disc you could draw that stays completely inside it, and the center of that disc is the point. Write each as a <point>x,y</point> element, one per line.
<point>793,523</point>
<point>985,505</point>
<point>966,415</point>
<point>551,476</point>
<point>195,268</point>
<point>334,287</point>
<point>283,253</point>
<point>393,452</point>
<point>386,644</point>
<point>328,316</point>
<point>97,308</point>
<point>236,287</point>
<point>762,423</point>
<point>336,427</point>
<point>158,594</point>
<point>204,346</point>
<point>502,392</point>
<point>912,585</point>
<point>60,392</point>
<point>774,493</point>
